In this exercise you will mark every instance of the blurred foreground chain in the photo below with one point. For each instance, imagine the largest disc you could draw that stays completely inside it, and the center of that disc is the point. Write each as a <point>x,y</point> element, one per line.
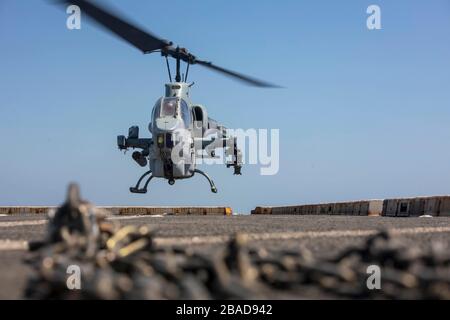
<point>124,263</point>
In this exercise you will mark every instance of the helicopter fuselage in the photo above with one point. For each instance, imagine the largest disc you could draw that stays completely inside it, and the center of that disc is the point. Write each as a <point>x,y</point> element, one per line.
<point>180,132</point>
<point>172,153</point>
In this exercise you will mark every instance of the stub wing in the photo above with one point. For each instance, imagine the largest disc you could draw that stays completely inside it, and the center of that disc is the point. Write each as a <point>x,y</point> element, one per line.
<point>133,141</point>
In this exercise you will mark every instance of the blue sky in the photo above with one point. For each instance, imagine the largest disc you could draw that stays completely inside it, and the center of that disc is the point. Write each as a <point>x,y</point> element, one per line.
<point>365,114</point>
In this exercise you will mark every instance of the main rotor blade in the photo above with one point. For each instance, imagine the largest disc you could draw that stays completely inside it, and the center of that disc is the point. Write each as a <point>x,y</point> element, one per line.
<point>142,40</point>
<point>239,76</point>
<point>146,42</point>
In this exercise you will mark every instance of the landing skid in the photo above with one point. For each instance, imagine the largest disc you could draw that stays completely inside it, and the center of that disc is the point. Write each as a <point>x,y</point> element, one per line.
<point>211,183</point>
<point>136,189</point>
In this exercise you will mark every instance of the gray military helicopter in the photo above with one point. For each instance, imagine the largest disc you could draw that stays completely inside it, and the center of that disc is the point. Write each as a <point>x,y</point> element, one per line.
<point>178,126</point>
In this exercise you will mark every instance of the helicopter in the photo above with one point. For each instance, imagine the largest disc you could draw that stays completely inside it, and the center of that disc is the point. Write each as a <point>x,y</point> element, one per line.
<point>178,126</point>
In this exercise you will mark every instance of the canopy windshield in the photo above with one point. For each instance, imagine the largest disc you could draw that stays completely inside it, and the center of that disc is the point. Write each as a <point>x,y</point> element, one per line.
<point>169,107</point>
<point>173,108</point>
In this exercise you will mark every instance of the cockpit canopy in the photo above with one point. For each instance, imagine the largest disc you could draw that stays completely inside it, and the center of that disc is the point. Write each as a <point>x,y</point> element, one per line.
<point>169,107</point>
<point>174,108</point>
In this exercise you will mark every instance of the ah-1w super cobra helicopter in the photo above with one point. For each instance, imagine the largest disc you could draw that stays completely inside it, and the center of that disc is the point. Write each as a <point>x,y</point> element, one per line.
<point>173,113</point>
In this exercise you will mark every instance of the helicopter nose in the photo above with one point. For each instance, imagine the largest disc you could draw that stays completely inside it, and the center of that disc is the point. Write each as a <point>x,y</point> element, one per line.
<point>165,140</point>
<point>167,123</point>
<point>169,140</point>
